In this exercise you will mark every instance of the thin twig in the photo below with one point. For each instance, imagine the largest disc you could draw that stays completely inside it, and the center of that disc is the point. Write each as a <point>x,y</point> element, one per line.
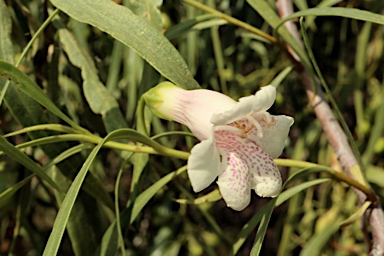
<point>336,136</point>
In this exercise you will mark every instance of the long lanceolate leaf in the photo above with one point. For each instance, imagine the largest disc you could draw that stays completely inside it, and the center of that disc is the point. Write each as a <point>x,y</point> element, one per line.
<point>133,31</point>
<point>6,195</point>
<point>263,214</point>
<point>61,221</point>
<point>20,157</point>
<point>6,49</point>
<point>339,12</point>
<point>29,87</point>
<point>109,241</point>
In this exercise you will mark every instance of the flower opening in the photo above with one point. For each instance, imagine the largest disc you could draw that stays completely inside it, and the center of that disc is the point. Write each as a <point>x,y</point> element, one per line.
<point>238,139</point>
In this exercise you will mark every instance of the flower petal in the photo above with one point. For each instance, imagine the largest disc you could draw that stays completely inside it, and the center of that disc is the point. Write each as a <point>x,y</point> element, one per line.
<point>193,108</point>
<point>234,181</point>
<point>199,106</point>
<point>274,134</point>
<point>203,164</point>
<point>259,102</point>
<point>265,175</point>
<point>245,166</point>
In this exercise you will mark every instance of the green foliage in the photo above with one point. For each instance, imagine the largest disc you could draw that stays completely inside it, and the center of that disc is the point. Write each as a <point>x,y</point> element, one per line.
<point>80,174</point>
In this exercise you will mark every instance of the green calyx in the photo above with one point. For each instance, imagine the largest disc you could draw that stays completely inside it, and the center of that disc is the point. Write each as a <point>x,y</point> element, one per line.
<point>159,99</point>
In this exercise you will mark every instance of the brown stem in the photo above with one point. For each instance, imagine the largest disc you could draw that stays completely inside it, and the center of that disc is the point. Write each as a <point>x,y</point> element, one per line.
<point>336,136</point>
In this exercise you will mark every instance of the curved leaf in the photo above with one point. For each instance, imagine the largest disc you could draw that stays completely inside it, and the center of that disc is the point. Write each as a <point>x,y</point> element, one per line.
<point>65,210</point>
<point>29,87</point>
<point>6,195</point>
<point>133,31</point>
<point>284,196</point>
<point>145,196</point>
<point>109,241</point>
<point>210,197</point>
<point>271,17</point>
<point>23,159</point>
<point>339,12</point>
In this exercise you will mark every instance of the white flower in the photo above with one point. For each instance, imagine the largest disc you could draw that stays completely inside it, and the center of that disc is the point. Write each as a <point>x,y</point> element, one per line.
<point>238,139</point>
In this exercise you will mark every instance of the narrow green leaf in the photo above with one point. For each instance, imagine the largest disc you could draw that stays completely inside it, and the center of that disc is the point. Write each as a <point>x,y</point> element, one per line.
<point>186,26</point>
<point>6,48</point>
<point>145,196</point>
<point>139,161</point>
<point>303,172</point>
<point>66,154</point>
<point>310,21</point>
<point>339,12</point>
<point>137,76</point>
<point>92,185</point>
<point>284,196</point>
<point>114,67</point>
<point>29,87</point>
<point>81,228</point>
<point>122,24</point>
<point>271,17</point>
<point>264,221</point>
<point>20,157</point>
<point>210,197</point>
<point>61,221</point>
<point>281,76</point>
<point>375,175</point>
<point>356,215</point>
<point>362,47</point>
<point>249,227</point>
<point>358,175</point>
<point>219,58</point>
<point>8,193</point>
<point>109,241</point>
<point>120,238</point>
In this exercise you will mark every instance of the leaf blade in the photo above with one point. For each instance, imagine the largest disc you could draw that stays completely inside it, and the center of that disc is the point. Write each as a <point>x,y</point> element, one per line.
<point>68,203</point>
<point>351,13</point>
<point>136,33</point>
<point>20,157</point>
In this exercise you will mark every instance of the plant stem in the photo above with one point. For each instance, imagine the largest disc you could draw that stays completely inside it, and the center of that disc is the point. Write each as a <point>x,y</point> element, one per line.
<point>335,174</point>
<point>232,20</point>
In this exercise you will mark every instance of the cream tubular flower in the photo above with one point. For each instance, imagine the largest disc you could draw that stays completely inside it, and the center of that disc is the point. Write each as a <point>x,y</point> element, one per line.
<point>193,108</point>
<point>238,139</point>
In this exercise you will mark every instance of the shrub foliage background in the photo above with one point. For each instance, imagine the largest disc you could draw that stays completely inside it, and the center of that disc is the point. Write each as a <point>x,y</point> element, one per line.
<point>95,74</point>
